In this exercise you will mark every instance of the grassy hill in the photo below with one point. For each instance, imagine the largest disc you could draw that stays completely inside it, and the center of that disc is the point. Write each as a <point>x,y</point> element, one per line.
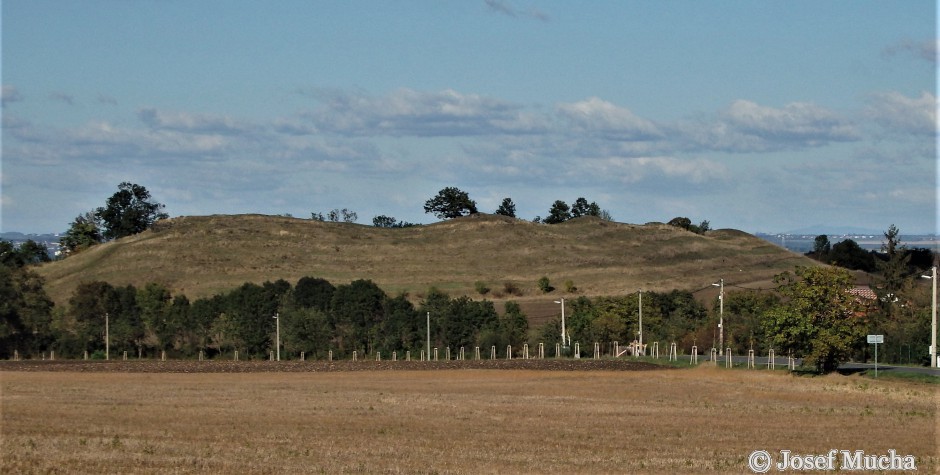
<point>204,255</point>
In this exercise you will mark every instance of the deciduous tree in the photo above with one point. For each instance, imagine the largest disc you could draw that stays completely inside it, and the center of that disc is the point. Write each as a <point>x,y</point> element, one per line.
<point>129,211</point>
<point>451,202</point>
<point>817,319</point>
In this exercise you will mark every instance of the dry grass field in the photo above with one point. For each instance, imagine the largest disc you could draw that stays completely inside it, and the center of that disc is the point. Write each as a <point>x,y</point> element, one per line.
<point>703,420</point>
<point>204,255</point>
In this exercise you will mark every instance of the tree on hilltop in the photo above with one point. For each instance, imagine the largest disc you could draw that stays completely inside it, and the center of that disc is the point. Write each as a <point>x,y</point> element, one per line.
<point>451,202</point>
<point>558,213</point>
<point>507,208</point>
<point>84,232</point>
<point>129,211</point>
<point>583,208</point>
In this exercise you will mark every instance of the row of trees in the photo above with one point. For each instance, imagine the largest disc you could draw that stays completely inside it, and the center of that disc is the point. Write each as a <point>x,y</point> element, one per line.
<point>315,317</point>
<point>810,313</point>
<point>452,202</point>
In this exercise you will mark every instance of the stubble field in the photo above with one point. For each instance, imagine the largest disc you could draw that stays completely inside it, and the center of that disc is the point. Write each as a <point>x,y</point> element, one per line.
<point>460,420</point>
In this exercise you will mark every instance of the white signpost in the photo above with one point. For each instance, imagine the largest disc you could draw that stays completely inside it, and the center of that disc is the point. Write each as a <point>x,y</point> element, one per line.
<point>876,339</point>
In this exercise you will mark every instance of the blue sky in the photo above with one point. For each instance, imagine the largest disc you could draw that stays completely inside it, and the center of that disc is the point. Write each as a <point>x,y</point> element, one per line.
<point>759,116</point>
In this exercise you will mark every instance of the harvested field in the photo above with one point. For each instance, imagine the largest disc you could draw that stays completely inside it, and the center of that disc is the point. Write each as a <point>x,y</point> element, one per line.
<point>271,419</point>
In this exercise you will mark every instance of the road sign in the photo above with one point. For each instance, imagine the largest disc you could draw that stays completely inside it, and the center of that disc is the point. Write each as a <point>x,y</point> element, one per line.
<point>876,339</point>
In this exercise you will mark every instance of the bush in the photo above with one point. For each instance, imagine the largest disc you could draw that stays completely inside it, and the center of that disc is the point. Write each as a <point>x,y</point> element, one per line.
<point>481,287</point>
<point>545,285</point>
<point>569,287</point>
<point>512,289</point>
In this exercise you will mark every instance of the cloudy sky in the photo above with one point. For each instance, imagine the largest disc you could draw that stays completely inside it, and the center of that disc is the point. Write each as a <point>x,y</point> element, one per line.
<point>760,116</point>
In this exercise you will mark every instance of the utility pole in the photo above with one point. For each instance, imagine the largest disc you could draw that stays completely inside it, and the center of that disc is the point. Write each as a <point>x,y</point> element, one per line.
<point>933,317</point>
<point>721,317</point>
<point>564,332</point>
<point>277,335</point>
<point>933,320</point>
<point>640,293</point>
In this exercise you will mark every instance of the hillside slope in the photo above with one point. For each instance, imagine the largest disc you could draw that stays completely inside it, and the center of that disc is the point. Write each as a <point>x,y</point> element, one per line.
<point>202,256</point>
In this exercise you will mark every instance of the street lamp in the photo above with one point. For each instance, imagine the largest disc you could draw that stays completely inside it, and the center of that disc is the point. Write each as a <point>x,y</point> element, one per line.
<point>107,338</point>
<point>933,318</point>
<point>277,333</point>
<point>564,333</point>
<point>721,317</point>
<point>640,294</point>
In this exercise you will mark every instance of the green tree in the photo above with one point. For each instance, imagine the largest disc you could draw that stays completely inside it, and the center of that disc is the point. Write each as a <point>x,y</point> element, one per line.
<point>681,222</point>
<point>305,329</point>
<point>821,247</point>
<point>154,303</point>
<point>545,285</point>
<point>91,304</point>
<point>507,208</point>
<point>558,213</point>
<point>817,319</point>
<point>403,329</point>
<point>895,265</point>
<point>358,311</point>
<point>514,324</point>
<point>583,208</point>
<point>313,292</point>
<point>27,253</point>
<point>83,232</point>
<point>25,312</point>
<point>383,221</point>
<point>249,324</point>
<point>129,211</point>
<point>451,202</point>
<point>850,255</point>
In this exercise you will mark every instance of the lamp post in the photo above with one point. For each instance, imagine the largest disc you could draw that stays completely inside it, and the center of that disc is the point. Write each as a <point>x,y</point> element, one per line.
<point>107,337</point>
<point>721,317</point>
<point>565,340</point>
<point>429,336</point>
<point>640,294</point>
<point>277,335</point>
<point>933,317</point>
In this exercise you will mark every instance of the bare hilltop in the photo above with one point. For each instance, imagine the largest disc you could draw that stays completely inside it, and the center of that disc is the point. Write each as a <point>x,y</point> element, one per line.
<point>200,256</point>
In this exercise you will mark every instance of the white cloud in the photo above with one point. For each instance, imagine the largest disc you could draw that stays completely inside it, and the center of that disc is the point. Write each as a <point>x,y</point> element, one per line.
<point>899,113</point>
<point>749,127</point>
<point>194,123</point>
<point>406,112</point>
<point>601,118</point>
<point>655,169</point>
<point>798,121</point>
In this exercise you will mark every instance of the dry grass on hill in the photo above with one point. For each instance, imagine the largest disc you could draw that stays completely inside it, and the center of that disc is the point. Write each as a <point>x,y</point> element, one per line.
<point>202,256</point>
<point>702,420</point>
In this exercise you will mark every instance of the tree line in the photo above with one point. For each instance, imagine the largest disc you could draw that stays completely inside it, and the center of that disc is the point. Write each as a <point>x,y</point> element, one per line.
<point>810,313</point>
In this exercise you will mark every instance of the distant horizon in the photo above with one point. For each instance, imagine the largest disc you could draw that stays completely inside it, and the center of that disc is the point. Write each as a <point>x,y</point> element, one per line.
<point>756,116</point>
<point>804,231</point>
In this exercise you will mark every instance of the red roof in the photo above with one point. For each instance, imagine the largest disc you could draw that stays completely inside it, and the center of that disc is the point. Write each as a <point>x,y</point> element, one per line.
<point>864,292</point>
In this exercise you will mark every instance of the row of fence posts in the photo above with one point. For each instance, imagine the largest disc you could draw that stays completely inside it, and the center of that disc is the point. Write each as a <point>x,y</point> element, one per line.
<point>673,355</point>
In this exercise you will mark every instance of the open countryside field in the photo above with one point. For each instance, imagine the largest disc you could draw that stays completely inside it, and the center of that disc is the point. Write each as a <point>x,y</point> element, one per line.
<point>701,420</point>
